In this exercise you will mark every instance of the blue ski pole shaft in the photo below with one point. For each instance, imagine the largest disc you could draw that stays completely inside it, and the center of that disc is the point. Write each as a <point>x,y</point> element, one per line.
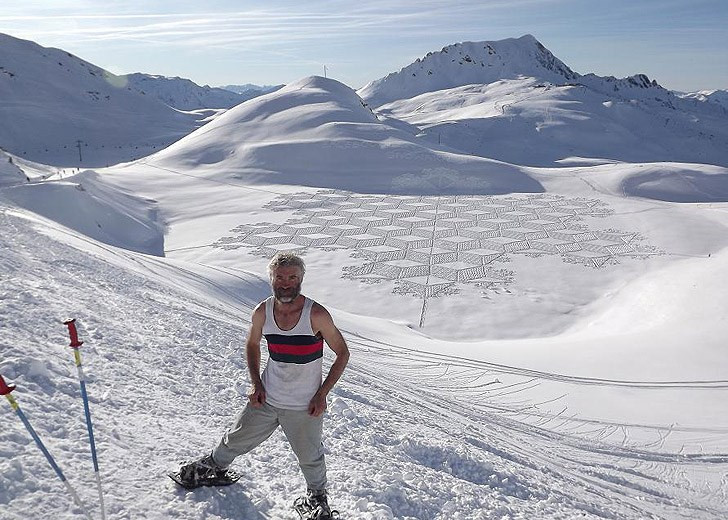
<point>5,390</point>
<point>76,345</point>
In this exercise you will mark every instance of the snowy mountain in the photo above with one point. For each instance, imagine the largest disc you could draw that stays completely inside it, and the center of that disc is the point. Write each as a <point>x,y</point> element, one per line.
<point>182,93</point>
<point>250,90</point>
<point>59,109</point>
<point>719,97</point>
<point>469,63</point>
<point>514,101</point>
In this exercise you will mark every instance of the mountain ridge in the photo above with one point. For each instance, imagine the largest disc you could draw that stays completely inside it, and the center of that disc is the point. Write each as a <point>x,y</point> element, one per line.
<point>183,93</point>
<point>250,89</point>
<point>514,101</point>
<point>469,62</point>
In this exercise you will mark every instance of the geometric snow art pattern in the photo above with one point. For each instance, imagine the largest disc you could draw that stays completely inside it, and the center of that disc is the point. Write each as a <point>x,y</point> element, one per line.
<point>428,245</point>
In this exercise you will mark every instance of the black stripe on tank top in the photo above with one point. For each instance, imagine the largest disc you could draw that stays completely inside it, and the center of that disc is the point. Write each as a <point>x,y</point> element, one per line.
<point>296,348</point>
<point>296,359</point>
<point>294,339</point>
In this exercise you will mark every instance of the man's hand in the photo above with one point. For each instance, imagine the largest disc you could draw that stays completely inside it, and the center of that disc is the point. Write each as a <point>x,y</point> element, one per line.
<point>317,406</point>
<point>257,396</point>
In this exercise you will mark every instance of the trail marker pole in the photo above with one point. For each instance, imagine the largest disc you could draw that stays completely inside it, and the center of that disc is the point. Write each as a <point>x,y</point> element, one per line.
<point>76,345</point>
<point>5,390</point>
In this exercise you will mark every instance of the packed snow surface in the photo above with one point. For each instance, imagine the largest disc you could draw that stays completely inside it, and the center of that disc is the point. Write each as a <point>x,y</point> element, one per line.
<point>526,342</point>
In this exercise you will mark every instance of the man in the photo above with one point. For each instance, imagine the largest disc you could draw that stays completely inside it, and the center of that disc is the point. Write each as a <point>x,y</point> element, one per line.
<point>290,391</point>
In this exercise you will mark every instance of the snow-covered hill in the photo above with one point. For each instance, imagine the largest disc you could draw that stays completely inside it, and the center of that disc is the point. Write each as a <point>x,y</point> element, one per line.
<point>317,132</point>
<point>59,109</point>
<point>182,93</point>
<point>514,101</point>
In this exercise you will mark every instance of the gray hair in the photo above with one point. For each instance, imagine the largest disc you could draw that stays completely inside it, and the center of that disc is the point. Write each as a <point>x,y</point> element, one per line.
<point>286,259</point>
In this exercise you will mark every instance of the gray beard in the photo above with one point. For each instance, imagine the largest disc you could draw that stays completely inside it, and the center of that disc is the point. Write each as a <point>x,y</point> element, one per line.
<point>287,295</point>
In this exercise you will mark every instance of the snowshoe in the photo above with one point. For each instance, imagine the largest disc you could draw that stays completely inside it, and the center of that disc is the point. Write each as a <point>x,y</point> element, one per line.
<point>314,506</point>
<point>204,472</point>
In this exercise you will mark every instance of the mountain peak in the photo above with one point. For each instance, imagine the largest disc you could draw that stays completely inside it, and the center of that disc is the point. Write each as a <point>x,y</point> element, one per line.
<point>528,37</point>
<point>470,63</point>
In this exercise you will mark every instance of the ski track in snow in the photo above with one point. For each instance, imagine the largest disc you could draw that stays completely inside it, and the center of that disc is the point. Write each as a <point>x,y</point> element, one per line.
<point>409,435</point>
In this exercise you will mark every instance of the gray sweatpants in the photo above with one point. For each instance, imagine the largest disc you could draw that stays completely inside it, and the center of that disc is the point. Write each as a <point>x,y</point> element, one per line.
<point>254,425</point>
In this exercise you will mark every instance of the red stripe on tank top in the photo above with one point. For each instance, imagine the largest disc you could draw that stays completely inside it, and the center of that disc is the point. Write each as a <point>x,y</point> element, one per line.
<point>302,350</point>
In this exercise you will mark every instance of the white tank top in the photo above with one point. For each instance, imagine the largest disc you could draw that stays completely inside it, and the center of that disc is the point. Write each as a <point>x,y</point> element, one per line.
<point>293,372</point>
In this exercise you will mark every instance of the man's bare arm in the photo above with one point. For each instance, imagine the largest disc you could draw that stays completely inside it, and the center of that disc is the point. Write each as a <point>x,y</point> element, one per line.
<point>252,354</point>
<point>322,322</point>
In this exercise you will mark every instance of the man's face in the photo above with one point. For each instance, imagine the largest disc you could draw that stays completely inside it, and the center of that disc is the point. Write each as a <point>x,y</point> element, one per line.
<point>286,283</point>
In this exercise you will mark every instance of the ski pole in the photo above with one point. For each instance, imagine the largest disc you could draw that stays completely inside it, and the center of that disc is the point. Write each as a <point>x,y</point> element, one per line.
<point>5,390</point>
<point>76,345</point>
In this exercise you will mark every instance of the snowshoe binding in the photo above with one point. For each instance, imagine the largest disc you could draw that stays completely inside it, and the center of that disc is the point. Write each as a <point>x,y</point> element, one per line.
<point>204,472</point>
<point>314,506</point>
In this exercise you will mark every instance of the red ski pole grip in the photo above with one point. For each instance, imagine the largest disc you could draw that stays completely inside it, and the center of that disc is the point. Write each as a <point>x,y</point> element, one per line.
<point>4,388</point>
<point>73,333</point>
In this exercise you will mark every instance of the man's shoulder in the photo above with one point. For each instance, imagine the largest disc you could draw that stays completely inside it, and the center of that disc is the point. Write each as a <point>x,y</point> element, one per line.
<point>319,312</point>
<point>260,309</point>
<point>317,308</point>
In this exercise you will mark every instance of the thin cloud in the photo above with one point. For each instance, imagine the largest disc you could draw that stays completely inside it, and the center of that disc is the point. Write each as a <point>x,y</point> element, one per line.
<point>375,19</point>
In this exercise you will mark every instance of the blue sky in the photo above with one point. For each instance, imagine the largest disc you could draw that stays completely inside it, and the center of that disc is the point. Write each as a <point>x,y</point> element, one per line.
<point>683,44</point>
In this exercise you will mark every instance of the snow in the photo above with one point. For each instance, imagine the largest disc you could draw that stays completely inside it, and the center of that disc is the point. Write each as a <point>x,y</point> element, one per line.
<point>527,341</point>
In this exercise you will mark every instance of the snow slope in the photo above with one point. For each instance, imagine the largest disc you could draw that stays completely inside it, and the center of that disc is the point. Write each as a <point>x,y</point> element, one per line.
<point>418,429</point>
<point>526,342</point>
<point>514,101</point>
<point>55,103</point>
<point>10,173</point>
<point>98,211</point>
